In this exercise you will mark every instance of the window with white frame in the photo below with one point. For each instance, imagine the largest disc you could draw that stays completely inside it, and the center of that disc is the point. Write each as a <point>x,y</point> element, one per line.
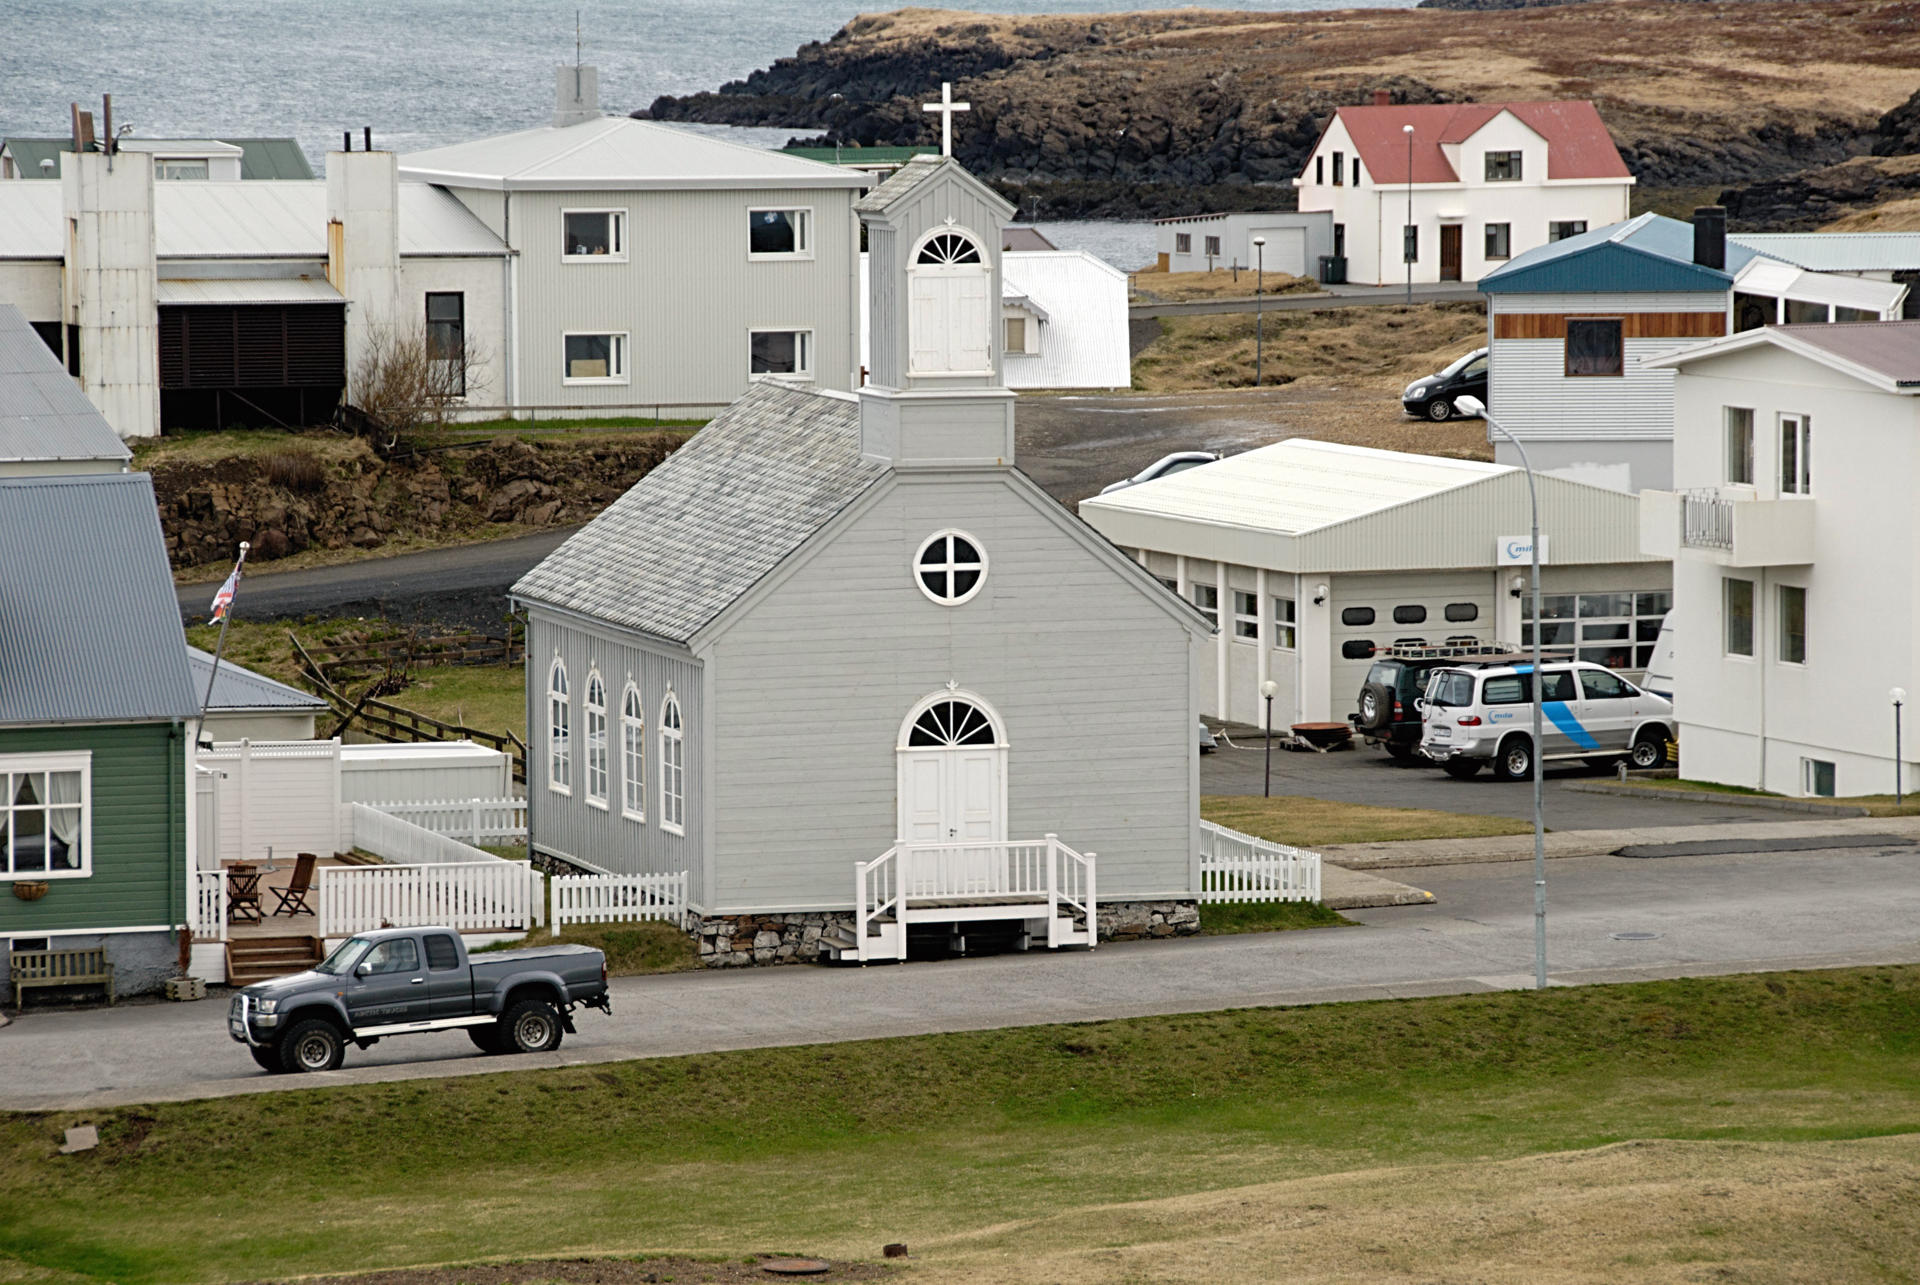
<point>1793,624</point>
<point>673,768</point>
<point>559,731</point>
<point>1183,243</point>
<point>595,709</point>
<point>1499,241</point>
<point>1817,778</point>
<point>1320,169</point>
<point>1339,169</point>
<point>950,567</point>
<point>1617,630</point>
<point>1207,598</point>
<point>1285,622</point>
<point>780,234</point>
<point>596,359</point>
<point>594,236</point>
<point>633,756</point>
<point>1739,445</point>
<point>1016,336</point>
<point>1213,247</point>
<point>1796,455</point>
<point>180,170</point>
<point>1246,614</point>
<point>1560,230</point>
<point>46,816</point>
<point>1503,167</point>
<point>1737,611</point>
<point>780,352</point>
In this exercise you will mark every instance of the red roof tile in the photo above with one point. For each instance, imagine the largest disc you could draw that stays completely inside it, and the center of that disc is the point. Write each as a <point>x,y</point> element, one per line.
<point>1578,145</point>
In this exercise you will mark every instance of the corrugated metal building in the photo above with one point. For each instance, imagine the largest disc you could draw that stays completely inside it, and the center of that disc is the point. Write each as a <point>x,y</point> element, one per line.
<point>47,425</point>
<point>1308,555</point>
<point>180,159</point>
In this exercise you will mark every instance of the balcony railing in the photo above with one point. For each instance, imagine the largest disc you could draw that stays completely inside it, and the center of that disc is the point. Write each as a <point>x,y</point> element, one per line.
<point>1706,520</point>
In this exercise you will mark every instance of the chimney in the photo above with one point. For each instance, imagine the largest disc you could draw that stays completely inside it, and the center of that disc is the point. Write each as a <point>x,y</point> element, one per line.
<point>1710,236</point>
<point>576,96</point>
<point>1382,98</point>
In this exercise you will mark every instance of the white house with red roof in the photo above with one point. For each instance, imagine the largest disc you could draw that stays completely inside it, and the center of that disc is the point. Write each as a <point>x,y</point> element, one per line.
<point>1484,182</point>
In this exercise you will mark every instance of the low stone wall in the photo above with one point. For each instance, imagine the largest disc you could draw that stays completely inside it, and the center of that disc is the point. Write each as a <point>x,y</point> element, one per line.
<point>737,941</point>
<point>1138,920</point>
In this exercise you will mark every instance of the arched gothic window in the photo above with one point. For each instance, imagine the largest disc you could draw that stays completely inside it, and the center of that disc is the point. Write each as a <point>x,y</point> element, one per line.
<point>559,730</point>
<point>952,722</point>
<point>633,756</point>
<point>595,707</point>
<point>673,768</point>
<point>946,249</point>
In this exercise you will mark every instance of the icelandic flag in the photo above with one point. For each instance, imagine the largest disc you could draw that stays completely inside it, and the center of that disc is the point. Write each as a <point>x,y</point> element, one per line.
<point>223,599</point>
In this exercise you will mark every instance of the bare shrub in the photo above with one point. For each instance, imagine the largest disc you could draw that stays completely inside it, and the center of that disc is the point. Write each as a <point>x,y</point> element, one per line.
<point>408,379</point>
<point>297,470</point>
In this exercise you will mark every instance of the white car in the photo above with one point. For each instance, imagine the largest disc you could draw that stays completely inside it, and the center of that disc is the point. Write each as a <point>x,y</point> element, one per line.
<point>1472,717</point>
<point>1165,466</point>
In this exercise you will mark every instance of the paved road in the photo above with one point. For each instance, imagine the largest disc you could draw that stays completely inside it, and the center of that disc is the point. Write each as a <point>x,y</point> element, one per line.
<point>1368,776</point>
<point>1712,914</point>
<point>1345,297</point>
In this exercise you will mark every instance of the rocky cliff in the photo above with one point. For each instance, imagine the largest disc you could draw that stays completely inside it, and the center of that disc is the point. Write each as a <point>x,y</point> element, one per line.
<point>1159,113</point>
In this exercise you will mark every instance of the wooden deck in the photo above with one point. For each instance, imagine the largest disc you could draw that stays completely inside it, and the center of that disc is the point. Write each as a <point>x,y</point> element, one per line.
<point>272,925</point>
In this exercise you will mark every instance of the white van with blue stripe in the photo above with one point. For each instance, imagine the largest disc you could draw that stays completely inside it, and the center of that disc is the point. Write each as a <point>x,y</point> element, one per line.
<point>1472,717</point>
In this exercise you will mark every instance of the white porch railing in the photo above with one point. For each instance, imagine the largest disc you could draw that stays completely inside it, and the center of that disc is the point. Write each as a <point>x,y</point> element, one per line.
<point>1073,890</point>
<point>600,899</point>
<point>488,896</point>
<point>1240,867</point>
<point>399,840</point>
<point>915,882</point>
<point>877,930</point>
<point>209,905</point>
<point>475,820</point>
<point>946,871</point>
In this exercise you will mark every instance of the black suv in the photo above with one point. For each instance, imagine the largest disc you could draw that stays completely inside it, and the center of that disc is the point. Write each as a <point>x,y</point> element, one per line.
<point>1435,396</point>
<point>1388,715</point>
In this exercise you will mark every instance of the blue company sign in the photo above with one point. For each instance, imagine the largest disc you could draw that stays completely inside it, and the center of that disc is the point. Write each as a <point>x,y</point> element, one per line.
<point>1517,551</point>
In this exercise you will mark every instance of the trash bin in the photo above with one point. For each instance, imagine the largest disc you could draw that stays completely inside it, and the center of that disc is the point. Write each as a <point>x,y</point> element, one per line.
<point>1333,269</point>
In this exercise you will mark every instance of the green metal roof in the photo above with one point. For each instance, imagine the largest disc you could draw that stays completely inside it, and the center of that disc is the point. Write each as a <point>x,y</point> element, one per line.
<point>860,155</point>
<point>260,158</point>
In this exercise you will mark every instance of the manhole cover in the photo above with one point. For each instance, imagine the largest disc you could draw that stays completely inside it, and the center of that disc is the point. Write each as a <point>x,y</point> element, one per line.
<point>1635,936</point>
<point>797,1266</point>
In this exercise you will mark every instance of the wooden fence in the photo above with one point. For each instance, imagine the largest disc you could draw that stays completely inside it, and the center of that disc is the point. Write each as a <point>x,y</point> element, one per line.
<point>600,899</point>
<point>351,660</point>
<point>1240,867</point>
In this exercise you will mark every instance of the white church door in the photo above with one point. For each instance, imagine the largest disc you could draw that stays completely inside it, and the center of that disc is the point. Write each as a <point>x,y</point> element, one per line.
<point>953,779</point>
<point>950,308</point>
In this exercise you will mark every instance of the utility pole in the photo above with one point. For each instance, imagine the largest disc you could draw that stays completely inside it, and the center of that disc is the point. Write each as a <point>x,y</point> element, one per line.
<point>1407,235</point>
<point>1259,346</point>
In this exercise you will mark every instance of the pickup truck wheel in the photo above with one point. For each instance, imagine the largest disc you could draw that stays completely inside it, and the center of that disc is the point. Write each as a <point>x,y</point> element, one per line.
<point>531,1026</point>
<point>487,1038</point>
<point>312,1045</point>
<point>267,1058</point>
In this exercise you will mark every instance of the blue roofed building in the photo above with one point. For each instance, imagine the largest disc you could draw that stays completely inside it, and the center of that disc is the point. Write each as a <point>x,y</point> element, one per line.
<point>1571,326</point>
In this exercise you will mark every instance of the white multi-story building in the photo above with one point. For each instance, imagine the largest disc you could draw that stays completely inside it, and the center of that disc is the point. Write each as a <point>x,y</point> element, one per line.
<point>1795,566</point>
<point>1452,191</point>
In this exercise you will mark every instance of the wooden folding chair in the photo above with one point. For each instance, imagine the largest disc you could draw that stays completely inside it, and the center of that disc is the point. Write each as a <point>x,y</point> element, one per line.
<point>293,897</point>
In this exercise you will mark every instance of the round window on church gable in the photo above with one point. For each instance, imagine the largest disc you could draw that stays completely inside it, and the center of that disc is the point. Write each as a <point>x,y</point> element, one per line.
<point>948,250</point>
<point>950,567</point>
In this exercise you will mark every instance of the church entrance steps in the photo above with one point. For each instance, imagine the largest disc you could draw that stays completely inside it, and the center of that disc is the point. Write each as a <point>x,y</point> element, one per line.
<point>1037,881</point>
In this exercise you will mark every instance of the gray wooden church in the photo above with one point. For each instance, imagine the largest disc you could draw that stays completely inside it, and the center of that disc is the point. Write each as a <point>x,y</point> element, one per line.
<point>851,669</point>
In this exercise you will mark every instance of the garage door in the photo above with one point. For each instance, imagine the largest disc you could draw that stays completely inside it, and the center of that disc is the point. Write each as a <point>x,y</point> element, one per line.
<point>1376,611</point>
<point>1285,251</point>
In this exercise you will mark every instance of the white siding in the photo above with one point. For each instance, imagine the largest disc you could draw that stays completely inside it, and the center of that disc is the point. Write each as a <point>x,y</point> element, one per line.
<point>1089,673</point>
<point>1534,398</point>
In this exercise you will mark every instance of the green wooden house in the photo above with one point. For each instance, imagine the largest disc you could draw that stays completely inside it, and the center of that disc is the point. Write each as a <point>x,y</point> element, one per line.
<point>96,710</point>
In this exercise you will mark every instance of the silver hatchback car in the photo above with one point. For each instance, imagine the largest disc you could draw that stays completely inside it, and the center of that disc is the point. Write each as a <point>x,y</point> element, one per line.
<point>1475,717</point>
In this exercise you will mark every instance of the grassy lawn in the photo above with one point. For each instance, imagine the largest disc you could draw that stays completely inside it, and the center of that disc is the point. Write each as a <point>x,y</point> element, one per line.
<point>1223,283</point>
<point>1372,349</point>
<point>631,949</point>
<point>1313,823</point>
<point>1410,1140</point>
<point>1222,919</point>
<point>1879,805</point>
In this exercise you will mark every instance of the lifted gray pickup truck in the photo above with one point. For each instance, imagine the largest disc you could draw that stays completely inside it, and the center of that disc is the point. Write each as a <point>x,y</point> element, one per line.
<point>404,981</point>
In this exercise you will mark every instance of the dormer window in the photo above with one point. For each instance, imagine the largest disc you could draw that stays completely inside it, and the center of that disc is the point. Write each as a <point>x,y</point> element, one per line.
<point>1503,167</point>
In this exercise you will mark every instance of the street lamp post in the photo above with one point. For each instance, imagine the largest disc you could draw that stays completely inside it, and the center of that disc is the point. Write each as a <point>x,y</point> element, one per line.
<point>1259,313</point>
<point>1899,695</point>
<point>1474,406</point>
<point>1406,233</point>
<point>1269,689</point>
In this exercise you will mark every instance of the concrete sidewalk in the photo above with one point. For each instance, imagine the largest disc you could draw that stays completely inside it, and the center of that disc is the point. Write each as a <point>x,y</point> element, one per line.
<point>1409,853</point>
<point>1345,889</point>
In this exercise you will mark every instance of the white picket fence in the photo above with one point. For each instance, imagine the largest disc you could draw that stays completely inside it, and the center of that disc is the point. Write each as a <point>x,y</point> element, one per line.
<point>401,841</point>
<point>475,820</point>
<point>209,920</point>
<point>481,896</point>
<point>1240,867</point>
<point>601,899</point>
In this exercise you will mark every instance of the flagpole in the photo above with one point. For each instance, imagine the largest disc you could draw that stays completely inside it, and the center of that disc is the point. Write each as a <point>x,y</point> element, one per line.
<point>226,618</point>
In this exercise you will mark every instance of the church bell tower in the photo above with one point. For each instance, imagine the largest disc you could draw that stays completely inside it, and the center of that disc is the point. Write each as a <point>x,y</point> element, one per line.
<point>935,397</point>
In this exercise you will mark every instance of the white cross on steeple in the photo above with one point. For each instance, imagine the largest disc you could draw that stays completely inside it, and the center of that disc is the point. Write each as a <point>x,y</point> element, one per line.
<point>946,107</point>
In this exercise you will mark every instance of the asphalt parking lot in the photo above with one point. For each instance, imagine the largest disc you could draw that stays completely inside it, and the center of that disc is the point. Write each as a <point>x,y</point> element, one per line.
<point>1365,775</point>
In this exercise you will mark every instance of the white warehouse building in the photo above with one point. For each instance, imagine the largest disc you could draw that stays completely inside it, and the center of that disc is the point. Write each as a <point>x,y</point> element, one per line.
<point>1310,555</point>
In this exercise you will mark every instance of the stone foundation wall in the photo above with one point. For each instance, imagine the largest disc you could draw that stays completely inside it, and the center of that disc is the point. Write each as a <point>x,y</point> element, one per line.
<point>737,941</point>
<point>1136,920</point>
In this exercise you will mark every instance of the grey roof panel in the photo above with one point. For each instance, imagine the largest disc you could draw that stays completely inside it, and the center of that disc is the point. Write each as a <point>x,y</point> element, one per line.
<point>1647,253</point>
<point>1889,348</point>
<point>237,688</point>
<point>43,414</point>
<point>1837,251</point>
<point>725,509</point>
<point>89,626</point>
<point>260,158</point>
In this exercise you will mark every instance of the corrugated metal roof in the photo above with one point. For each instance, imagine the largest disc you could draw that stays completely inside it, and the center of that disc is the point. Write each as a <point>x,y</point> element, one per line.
<point>237,688</point>
<point>616,153</point>
<point>1296,486</point>
<point>248,290</point>
<point>260,158</point>
<point>1649,252</point>
<point>859,155</point>
<point>43,414</point>
<point>1784,280</point>
<point>240,220</point>
<point>1082,303</point>
<point>89,626</point>
<point>1838,251</point>
<point>724,510</point>
<point>1578,145</point>
<point>1889,348</point>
